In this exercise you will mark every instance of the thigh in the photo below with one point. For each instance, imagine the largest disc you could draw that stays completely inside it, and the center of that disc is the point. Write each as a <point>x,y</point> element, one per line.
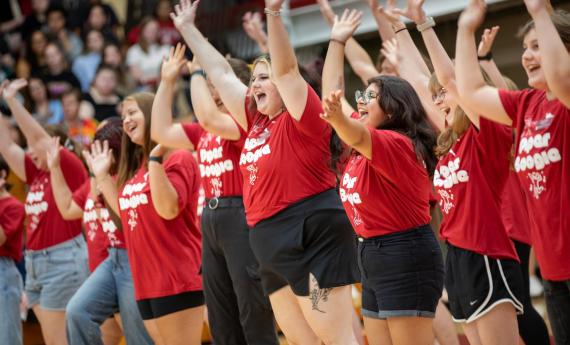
<point>52,324</point>
<point>181,328</point>
<point>290,318</point>
<point>377,332</point>
<point>111,333</point>
<point>400,330</point>
<point>499,326</point>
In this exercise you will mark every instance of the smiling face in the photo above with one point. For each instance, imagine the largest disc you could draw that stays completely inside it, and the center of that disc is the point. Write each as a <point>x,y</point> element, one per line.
<point>133,121</point>
<point>265,93</point>
<point>442,99</point>
<point>369,110</point>
<point>531,61</point>
<point>54,58</point>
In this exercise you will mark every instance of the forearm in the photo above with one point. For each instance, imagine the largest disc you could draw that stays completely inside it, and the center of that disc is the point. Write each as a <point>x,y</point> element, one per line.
<point>410,53</point>
<point>31,129</point>
<point>554,54</point>
<point>490,67</point>
<point>3,237</point>
<point>333,69</point>
<point>161,114</point>
<point>13,154</point>
<point>283,59</point>
<point>469,76</point>
<point>63,195</point>
<point>441,61</point>
<point>360,61</point>
<point>164,195</point>
<point>350,131</point>
<point>110,191</point>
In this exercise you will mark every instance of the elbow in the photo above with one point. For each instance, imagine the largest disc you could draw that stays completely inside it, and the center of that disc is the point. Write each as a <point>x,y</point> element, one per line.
<point>67,216</point>
<point>168,212</point>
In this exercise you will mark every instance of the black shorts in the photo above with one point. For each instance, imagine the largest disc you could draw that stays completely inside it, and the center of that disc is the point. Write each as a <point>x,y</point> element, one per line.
<point>402,274</point>
<point>477,283</point>
<point>312,236</point>
<point>153,308</point>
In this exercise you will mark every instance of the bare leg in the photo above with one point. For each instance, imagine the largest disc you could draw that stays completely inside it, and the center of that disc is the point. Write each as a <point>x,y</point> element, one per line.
<point>111,333</point>
<point>377,332</point>
<point>52,324</point>
<point>443,326</point>
<point>182,328</point>
<point>400,330</point>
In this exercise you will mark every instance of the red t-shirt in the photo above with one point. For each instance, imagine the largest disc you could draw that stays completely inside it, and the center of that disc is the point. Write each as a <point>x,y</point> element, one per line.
<point>12,215</point>
<point>218,160</point>
<point>284,160</point>
<point>46,226</point>
<point>470,180</point>
<point>514,211</point>
<point>165,255</point>
<point>542,164</point>
<point>388,193</point>
<point>100,230</point>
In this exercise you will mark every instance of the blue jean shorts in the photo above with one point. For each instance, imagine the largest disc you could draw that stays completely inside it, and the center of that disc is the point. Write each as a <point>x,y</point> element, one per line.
<point>55,273</point>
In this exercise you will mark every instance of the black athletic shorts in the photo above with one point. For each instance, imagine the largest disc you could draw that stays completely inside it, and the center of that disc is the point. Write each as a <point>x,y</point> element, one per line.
<point>153,308</point>
<point>477,283</point>
<point>312,236</point>
<point>402,274</point>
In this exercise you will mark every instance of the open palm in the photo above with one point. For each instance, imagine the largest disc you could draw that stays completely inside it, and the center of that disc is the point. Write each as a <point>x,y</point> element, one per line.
<point>414,11</point>
<point>172,65</point>
<point>344,27</point>
<point>184,13</point>
<point>99,159</point>
<point>53,153</point>
<point>10,90</point>
<point>472,17</point>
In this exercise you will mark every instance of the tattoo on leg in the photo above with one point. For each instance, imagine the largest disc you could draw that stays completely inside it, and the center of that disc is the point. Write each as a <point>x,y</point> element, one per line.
<point>317,295</point>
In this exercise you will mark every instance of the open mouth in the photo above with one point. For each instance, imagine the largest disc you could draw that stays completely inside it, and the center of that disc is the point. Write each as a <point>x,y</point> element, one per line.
<point>532,68</point>
<point>260,97</point>
<point>130,128</point>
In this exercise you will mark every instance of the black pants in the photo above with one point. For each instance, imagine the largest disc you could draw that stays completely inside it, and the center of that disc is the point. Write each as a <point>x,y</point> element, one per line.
<point>238,311</point>
<point>532,328</point>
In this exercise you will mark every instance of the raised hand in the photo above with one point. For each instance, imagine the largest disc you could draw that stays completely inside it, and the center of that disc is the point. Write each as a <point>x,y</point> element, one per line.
<point>9,90</point>
<point>253,27</point>
<point>391,53</point>
<point>184,13</point>
<point>274,5</point>
<point>53,153</point>
<point>99,159</point>
<point>326,11</point>
<point>473,15</point>
<point>344,27</point>
<point>487,40</point>
<point>535,6</point>
<point>413,11</point>
<point>332,106</point>
<point>172,65</point>
<point>390,12</point>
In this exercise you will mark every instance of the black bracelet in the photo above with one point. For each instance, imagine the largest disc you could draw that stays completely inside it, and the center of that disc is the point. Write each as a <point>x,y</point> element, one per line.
<point>487,57</point>
<point>155,159</point>
<point>91,174</point>
<point>198,72</point>
<point>402,29</point>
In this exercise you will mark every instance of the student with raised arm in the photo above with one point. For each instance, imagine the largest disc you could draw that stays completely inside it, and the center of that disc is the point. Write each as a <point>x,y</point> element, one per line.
<point>12,215</point>
<point>238,311</point>
<point>109,288</point>
<point>391,136</point>
<point>156,196</point>
<point>298,230</point>
<point>56,258</point>
<point>541,118</point>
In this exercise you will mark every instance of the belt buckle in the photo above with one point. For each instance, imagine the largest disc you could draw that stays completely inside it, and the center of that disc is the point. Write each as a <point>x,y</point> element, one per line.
<point>213,203</point>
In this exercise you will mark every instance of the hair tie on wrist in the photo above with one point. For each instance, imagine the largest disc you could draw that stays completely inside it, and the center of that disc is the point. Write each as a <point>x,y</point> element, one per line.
<point>402,29</point>
<point>487,57</point>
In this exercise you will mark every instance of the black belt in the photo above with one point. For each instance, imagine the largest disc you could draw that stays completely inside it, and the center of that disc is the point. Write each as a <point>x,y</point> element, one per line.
<point>215,203</point>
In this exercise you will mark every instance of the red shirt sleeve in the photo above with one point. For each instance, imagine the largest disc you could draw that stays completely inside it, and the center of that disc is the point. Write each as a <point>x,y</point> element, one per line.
<point>73,169</point>
<point>12,219</point>
<point>511,101</point>
<point>180,169</point>
<point>81,194</point>
<point>391,151</point>
<point>193,131</point>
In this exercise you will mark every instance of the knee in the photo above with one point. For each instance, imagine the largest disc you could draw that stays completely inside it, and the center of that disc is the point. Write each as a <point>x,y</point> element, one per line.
<point>75,311</point>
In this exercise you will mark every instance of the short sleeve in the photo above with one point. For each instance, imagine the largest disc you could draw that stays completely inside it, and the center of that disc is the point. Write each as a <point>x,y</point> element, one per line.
<point>511,102</point>
<point>392,154</point>
<point>193,132</point>
<point>311,122</point>
<point>31,169</point>
<point>12,219</point>
<point>81,194</point>
<point>73,169</point>
<point>180,169</point>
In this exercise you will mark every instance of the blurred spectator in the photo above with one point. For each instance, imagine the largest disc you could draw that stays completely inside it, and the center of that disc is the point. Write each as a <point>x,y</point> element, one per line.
<point>57,30</point>
<point>36,20</point>
<point>145,57</point>
<point>10,16</point>
<point>33,61</point>
<point>78,129</point>
<point>113,56</point>
<point>167,33</point>
<point>102,100</point>
<point>102,17</point>
<point>57,77</point>
<point>78,11</point>
<point>44,110</point>
<point>84,66</point>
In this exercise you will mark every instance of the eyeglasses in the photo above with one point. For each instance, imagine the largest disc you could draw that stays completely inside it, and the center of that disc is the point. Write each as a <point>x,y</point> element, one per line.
<point>364,96</point>
<point>439,96</point>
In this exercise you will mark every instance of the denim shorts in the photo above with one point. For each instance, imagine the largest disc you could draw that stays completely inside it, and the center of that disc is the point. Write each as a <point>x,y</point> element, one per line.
<point>402,274</point>
<point>10,294</point>
<point>55,273</point>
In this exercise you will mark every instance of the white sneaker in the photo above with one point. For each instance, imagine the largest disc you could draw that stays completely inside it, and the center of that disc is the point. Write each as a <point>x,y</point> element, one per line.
<point>535,287</point>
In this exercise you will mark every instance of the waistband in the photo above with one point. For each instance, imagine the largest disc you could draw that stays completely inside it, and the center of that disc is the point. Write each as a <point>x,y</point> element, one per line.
<point>396,235</point>
<point>226,202</point>
<point>77,241</point>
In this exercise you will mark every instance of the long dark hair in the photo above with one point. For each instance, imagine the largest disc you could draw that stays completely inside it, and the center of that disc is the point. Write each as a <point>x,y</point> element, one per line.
<point>133,155</point>
<point>407,116</point>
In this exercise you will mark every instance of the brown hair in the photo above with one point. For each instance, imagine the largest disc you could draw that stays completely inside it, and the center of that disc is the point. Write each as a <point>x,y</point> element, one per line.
<point>241,69</point>
<point>460,124</point>
<point>133,155</point>
<point>142,42</point>
<point>561,21</point>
